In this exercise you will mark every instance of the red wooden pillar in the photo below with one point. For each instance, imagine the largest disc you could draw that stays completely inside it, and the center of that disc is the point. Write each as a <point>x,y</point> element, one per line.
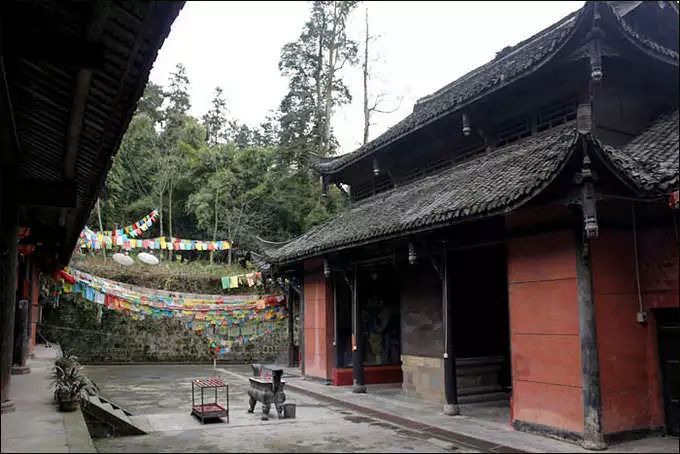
<point>35,306</point>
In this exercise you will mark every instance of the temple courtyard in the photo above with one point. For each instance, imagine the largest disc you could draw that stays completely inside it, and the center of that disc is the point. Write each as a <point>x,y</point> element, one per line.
<point>328,418</point>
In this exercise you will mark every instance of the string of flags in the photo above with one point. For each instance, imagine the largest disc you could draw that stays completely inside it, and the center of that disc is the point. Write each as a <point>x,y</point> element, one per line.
<point>130,231</point>
<point>249,279</point>
<point>126,238</point>
<point>227,320</point>
<point>161,243</point>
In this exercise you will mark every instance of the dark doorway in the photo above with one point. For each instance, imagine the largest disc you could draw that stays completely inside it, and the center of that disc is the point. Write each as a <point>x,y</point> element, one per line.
<point>479,298</point>
<point>378,298</point>
<point>668,328</point>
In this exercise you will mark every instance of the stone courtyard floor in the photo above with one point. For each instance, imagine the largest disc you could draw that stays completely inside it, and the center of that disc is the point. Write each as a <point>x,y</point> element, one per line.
<point>328,419</point>
<point>160,398</point>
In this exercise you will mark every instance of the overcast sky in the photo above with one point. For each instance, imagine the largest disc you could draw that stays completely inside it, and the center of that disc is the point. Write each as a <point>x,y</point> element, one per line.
<point>422,47</point>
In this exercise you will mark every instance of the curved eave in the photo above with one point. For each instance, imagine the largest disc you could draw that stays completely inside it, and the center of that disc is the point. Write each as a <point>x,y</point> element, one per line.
<point>443,220</point>
<point>583,20</point>
<point>603,154</point>
<point>644,45</point>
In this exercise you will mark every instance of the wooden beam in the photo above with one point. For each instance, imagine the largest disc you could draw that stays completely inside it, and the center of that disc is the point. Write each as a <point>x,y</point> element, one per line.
<point>56,49</point>
<point>95,29</point>
<point>47,193</point>
<point>82,87</point>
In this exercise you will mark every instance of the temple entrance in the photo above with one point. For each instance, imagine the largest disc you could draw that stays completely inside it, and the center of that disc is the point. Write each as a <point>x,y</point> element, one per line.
<point>378,300</point>
<point>479,300</point>
<point>669,352</point>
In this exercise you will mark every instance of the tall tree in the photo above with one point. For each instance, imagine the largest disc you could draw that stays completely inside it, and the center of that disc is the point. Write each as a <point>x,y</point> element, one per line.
<point>313,66</point>
<point>175,117</point>
<point>373,105</point>
<point>151,103</point>
<point>215,120</point>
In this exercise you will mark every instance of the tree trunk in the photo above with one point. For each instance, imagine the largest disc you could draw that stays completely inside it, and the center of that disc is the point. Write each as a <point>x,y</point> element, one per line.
<point>160,213</point>
<point>367,112</point>
<point>170,251</point>
<point>215,226</point>
<point>101,227</point>
<point>328,98</point>
<point>319,89</point>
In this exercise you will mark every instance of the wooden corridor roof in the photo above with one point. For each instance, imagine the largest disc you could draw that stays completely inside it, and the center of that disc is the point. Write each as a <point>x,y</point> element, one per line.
<point>73,73</point>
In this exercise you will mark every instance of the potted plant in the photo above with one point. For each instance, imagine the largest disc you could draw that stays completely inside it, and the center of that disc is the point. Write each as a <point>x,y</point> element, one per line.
<point>70,384</point>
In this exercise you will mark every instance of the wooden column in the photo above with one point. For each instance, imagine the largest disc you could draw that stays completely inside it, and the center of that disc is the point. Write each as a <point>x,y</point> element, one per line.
<point>335,283</point>
<point>8,281</point>
<point>450,386</point>
<point>357,340</point>
<point>291,325</point>
<point>593,437</point>
<point>34,313</point>
<point>21,318</point>
<point>301,295</point>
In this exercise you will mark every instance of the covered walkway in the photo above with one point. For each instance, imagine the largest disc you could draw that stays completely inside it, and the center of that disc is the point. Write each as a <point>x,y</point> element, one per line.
<point>36,425</point>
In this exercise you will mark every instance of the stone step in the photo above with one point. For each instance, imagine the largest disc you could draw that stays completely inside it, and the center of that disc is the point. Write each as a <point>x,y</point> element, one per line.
<point>106,412</point>
<point>484,397</point>
<point>115,405</point>
<point>484,389</point>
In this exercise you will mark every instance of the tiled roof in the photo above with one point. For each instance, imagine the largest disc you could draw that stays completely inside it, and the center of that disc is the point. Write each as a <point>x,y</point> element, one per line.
<point>644,41</point>
<point>651,161</point>
<point>492,183</point>
<point>513,64</point>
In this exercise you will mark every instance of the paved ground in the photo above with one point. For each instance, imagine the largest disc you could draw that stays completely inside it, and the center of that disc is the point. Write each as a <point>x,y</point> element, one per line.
<point>328,418</point>
<point>487,423</point>
<point>159,396</point>
<point>36,425</point>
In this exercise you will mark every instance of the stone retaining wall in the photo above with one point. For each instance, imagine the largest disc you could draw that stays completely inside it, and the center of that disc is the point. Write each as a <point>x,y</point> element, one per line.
<point>118,338</point>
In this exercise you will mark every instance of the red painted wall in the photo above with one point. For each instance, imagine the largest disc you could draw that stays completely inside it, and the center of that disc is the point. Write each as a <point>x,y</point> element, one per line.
<point>546,355</point>
<point>629,369</point>
<point>318,321</point>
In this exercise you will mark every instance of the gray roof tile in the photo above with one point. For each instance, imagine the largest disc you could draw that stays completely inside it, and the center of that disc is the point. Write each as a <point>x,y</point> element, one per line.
<point>513,64</point>
<point>489,184</point>
<point>651,161</point>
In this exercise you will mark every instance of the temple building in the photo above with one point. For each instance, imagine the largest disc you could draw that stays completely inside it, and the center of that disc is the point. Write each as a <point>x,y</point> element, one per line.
<point>515,237</point>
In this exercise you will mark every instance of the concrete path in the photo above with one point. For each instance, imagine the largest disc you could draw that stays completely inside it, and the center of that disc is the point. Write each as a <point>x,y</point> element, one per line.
<point>36,425</point>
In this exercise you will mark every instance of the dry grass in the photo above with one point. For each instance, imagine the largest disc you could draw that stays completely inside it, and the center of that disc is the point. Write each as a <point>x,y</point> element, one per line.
<point>194,277</point>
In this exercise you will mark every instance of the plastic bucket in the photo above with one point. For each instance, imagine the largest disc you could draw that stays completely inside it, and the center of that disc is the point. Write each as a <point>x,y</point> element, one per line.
<point>289,411</point>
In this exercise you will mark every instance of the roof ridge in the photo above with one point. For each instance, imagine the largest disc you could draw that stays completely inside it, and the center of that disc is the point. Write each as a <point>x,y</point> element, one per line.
<point>513,50</point>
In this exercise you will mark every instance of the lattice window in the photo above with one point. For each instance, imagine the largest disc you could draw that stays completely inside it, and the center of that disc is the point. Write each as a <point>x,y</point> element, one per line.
<point>506,132</point>
<point>513,130</point>
<point>556,114</point>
